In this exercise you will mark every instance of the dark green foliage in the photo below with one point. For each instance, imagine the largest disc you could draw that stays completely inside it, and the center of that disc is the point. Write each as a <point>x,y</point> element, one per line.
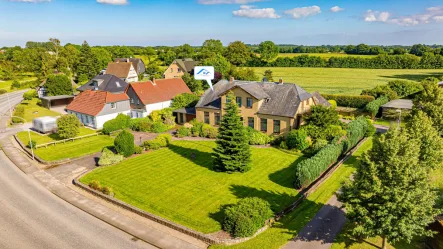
<point>141,124</point>
<point>124,143</point>
<point>162,140</point>
<point>371,128</point>
<point>88,65</point>
<point>328,133</point>
<point>356,131</point>
<point>109,158</point>
<point>317,146</point>
<point>246,217</point>
<point>268,51</point>
<point>32,144</point>
<point>159,127</point>
<point>430,101</point>
<point>59,84</point>
<point>18,112</point>
<point>68,126</point>
<point>220,64</point>
<point>374,106</point>
<point>243,74</point>
<point>15,85</point>
<point>3,91</point>
<point>237,53</point>
<point>209,131</point>
<point>232,152</point>
<point>297,139</point>
<point>404,88</point>
<point>138,149</point>
<point>29,95</point>
<point>196,129</point>
<point>269,75</point>
<point>380,91</point>
<point>391,195</point>
<point>322,116</point>
<point>122,121</point>
<point>106,190</point>
<point>183,132</point>
<point>350,100</point>
<point>257,137</point>
<point>193,84</point>
<point>184,100</point>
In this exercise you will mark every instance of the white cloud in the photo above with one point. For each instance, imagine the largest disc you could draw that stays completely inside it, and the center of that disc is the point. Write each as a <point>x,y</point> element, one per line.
<point>249,11</point>
<point>430,15</point>
<point>336,9</point>
<point>228,1</point>
<point>30,1</point>
<point>298,13</point>
<point>113,2</point>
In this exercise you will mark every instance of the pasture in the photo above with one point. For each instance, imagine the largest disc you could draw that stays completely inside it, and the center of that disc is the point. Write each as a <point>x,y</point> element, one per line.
<point>344,80</point>
<point>325,55</point>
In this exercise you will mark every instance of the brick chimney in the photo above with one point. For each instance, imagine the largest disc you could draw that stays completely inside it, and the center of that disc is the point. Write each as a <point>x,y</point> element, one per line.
<point>231,80</point>
<point>153,82</point>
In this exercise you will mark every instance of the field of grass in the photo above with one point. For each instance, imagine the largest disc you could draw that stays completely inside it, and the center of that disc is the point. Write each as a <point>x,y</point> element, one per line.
<point>42,139</point>
<point>26,77</point>
<point>344,80</point>
<point>75,149</point>
<point>32,110</point>
<point>324,55</point>
<point>171,184</point>
<point>288,227</point>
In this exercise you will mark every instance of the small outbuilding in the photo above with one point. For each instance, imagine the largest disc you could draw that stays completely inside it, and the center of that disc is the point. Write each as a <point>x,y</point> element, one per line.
<point>388,109</point>
<point>55,101</point>
<point>184,115</point>
<point>45,124</point>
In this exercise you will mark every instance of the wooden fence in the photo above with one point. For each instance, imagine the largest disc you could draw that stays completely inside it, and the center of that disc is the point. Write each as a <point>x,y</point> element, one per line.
<point>64,141</point>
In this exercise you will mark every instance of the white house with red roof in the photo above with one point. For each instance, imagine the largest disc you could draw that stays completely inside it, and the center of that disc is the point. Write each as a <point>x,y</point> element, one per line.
<point>94,108</point>
<point>149,96</point>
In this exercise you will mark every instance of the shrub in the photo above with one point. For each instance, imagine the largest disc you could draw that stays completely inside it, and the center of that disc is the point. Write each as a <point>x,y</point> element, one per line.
<point>106,190</point>
<point>356,130</point>
<point>196,129</point>
<point>109,158</point>
<point>138,149</point>
<point>246,217</point>
<point>322,116</point>
<point>29,95</point>
<point>327,133</point>
<point>3,91</point>
<point>318,145</point>
<point>68,126</point>
<point>374,106</point>
<point>19,112</point>
<point>183,132</point>
<point>297,139</point>
<point>209,131</point>
<point>350,100</point>
<point>165,139</point>
<point>124,143</point>
<point>159,127</point>
<point>404,88</point>
<point>32,144</point>
<point>184,100</point>
<point>283,145</point>
<point>141,124</point>
<point>257,137</point>
<point>95,185</point>
<point>59,84</point>
<point>15,85</point>
<point>380,91</point>
<point>333,103</point>
<point>370,131</point>
<point>122,121</point>
<point>162,140</point>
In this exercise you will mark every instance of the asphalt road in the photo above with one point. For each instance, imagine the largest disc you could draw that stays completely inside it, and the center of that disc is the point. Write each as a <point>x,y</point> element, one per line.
<point>32,217</point>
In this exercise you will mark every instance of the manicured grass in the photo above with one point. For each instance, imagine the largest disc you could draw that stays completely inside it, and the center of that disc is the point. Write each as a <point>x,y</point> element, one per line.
<point>344,80</point>
<point>42,139</point>
<point>288,227</point>
<point>178,183</point>
<point>324,55</point>
<point>75,149</point>
<point>32,110</point>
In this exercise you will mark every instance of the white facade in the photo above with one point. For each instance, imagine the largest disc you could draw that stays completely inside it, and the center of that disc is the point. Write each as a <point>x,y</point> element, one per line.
<point>96,122</point>
<point>157,106</point>
<point>100,120</point>
<point>132,75</point>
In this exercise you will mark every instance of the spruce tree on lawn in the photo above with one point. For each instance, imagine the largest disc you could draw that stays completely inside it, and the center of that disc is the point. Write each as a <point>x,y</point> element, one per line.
<point>391,195</point>
<point>232,152</point>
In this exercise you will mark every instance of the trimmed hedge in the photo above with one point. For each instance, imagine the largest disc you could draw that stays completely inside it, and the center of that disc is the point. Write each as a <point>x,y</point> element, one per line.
<point>307,171</point>
<point>257,137</point>
<point>183,132</point>
<point>356,101</point>
<point>124,143</point>
<point>246,217</point>
<point>374,106</point>
<point>162,140</point>
<point>122,121</point>
<point>297,139</point>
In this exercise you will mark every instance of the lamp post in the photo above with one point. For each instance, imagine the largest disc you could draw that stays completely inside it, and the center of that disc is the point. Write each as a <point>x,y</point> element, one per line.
<point>399,118</point>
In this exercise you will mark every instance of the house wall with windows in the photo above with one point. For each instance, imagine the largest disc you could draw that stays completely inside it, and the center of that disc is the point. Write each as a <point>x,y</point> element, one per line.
<point>173,71</point>
<point>132,75</point>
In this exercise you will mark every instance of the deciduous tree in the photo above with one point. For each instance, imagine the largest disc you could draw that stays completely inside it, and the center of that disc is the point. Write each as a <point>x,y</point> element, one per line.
<point>430,101</point>
<point>59,84</point>
<point>238,53</point>
<point>68,126</point>
<point>268,51</point>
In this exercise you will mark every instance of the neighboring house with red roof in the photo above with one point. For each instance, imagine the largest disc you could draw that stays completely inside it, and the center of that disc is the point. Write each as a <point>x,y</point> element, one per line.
<point>149,96</point>
<point>123,70</point>
<point>94,108</point>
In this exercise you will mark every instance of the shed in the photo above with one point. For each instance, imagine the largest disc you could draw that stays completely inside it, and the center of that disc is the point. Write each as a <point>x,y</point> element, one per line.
<point>53,101</point>
<point>44,124</point>
<point>184,115</point>
<point>398,104</point>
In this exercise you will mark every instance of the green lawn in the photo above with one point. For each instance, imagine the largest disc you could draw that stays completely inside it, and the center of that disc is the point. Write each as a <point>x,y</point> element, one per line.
<point>288,227</point>
<point>171,184</point>
<point>22,78</point>
<point>42,139</point>
<point>75,149</point>
<point>324,55</point>
<point>344,80</point>
<point>32,110</point>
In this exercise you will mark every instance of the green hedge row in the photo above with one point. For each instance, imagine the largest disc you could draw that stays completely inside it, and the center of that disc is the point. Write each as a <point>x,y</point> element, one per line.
<point>120,122</point>
<point>308,170</point>
<point>355,101</point>
<point>375,105</point>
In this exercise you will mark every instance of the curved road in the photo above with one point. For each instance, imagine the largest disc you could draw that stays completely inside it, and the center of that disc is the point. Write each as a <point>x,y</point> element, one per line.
<point>32,217</point>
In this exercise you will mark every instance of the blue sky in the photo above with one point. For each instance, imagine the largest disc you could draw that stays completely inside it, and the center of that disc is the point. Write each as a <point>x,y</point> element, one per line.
<point>175,22</point>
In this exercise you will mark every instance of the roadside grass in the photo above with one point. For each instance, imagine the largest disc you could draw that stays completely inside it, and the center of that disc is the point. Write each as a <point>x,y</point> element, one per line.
<point>290,225</point>
<point>178,183</point>
<point>75,149</point>
<point>42,138</point>
<point>344,80</point>
<point>32,110</point>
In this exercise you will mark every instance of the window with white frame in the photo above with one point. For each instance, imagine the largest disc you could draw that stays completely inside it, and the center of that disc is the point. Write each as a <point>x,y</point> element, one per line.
<point>113,105</point>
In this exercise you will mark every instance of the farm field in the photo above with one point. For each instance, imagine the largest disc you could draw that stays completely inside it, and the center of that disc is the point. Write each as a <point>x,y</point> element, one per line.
<point>6,85</point>
<point>169,183</point>
<point>75,149</point>
<point>42,139</point>
<point>344,80</point>
<point>288,227</point>
<point>325,55</point>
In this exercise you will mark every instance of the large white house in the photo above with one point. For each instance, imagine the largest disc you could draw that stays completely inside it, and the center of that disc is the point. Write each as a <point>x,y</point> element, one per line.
<point>94,108</point>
